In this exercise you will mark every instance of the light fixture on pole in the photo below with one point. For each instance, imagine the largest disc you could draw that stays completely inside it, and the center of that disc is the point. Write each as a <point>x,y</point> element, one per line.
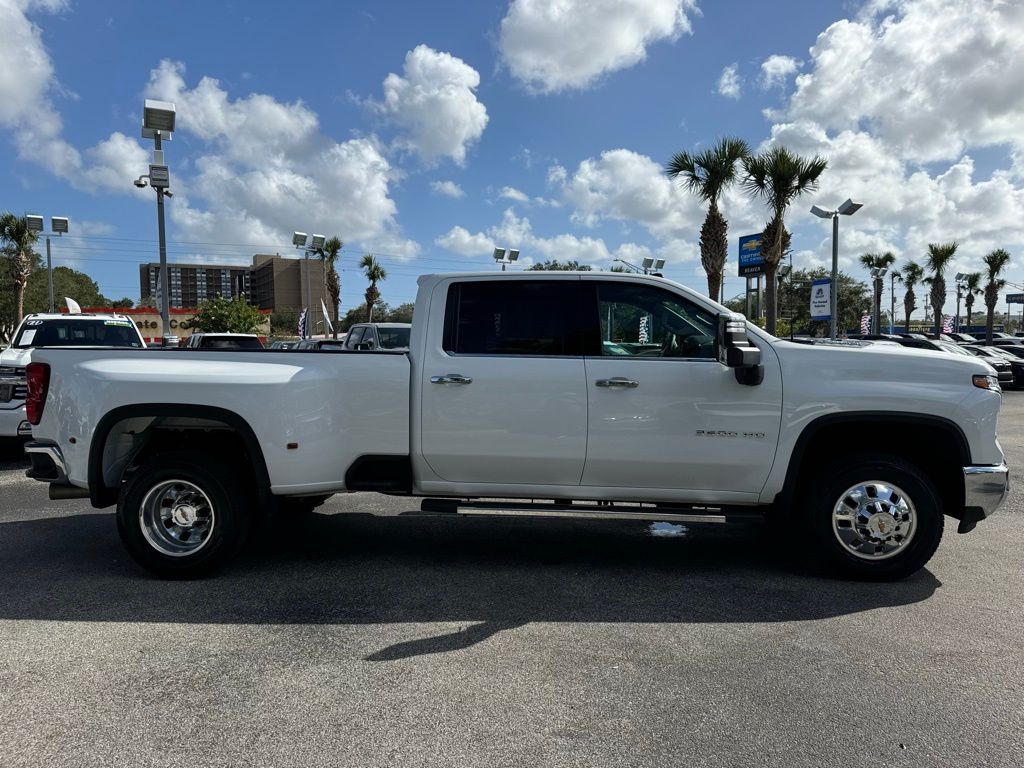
<point>316,244</point>
<point>158,119</point>
<point>506,256</point>
<point>58,227</point>
<point>848,208</point>
<point>960,277</point>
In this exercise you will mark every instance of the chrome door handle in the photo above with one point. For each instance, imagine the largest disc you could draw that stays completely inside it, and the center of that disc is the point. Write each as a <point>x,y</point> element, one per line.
<point>451,378</point>
<point>617,382</point>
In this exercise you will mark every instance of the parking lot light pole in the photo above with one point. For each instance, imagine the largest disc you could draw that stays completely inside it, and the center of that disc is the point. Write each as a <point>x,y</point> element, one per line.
<point>58,226</point>
<point>158,119</point>
<point>506,256</point>
<point>848,208</point>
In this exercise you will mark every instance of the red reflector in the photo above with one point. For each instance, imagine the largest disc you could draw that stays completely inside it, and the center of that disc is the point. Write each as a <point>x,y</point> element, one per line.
<point>38,376</point>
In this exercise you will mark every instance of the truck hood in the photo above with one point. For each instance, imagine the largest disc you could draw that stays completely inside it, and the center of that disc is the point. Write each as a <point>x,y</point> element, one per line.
<point>879,362</point>
<point>18,358</point>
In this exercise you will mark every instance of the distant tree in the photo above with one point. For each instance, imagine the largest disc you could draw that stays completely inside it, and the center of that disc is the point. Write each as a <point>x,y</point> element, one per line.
<point>877,261</point>
<point>554,265</point>
<point>939,256</point>
<point>66,282</point>
<point>224,315</point>
<point>284,322</point>
<point>854,300</point>
<point>16,245</point>
<point>358,315</point>
<point>973,285</point>
<point>707,174</point>
<point>912,275</point>
<point>329,255</point>
<point>778,177</point>
<point>995,263</point>
<point>374,273</point>
<point>124,303</point>
<point>400,314</point>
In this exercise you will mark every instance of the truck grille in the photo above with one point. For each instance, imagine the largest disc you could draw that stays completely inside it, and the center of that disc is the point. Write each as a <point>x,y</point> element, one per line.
<point>12,384</point>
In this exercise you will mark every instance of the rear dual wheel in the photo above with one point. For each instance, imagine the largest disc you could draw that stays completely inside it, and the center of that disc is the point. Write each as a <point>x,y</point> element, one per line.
<point>182,516</point>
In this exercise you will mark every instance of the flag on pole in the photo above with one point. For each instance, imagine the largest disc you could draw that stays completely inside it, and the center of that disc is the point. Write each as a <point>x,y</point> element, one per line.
<point>865,324</point>
<point>329,326</point>
<point>302,323</point>
<point>947,324</point>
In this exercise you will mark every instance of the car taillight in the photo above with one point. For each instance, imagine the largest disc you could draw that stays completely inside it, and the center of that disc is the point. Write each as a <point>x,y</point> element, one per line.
<point>38,376</point>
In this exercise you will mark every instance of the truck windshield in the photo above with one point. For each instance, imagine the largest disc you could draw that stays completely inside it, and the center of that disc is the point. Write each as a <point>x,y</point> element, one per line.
<point>393,338</point>
<point>77,333</point>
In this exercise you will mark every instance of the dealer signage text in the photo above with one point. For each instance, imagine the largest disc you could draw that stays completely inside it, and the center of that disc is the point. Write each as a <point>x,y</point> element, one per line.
<point>821,299</point>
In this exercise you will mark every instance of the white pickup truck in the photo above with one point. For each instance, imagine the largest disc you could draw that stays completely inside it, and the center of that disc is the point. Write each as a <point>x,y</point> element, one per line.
<point>601,395</point>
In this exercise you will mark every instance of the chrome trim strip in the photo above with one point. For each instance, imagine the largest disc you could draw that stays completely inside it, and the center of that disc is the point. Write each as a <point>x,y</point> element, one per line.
<point>540,511</point>
<point>985,487</point>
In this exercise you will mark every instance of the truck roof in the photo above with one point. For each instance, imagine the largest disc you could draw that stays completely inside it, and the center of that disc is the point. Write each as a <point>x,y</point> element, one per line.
<point>76,316</point>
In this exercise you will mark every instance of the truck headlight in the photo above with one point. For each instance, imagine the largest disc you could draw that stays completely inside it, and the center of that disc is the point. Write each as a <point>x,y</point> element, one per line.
<point>987,381</point>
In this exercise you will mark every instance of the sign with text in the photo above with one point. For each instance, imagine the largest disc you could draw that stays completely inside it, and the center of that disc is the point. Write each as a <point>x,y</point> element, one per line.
<point>1015,298</point>
<point>751,261</point>
<point>821,299</point>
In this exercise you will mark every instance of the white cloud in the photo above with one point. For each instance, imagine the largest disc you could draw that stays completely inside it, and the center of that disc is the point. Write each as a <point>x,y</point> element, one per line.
<point>511,193</point>
<point>434,105</point>
<point>516,232</point>
<point>927,77</point>
<point>28,83</point>
<point>447,189</point>
<point>556,46</point>
<point>729,84</point>
<point>776,70</point>
<point>460,241</point>
<point>265,169</point>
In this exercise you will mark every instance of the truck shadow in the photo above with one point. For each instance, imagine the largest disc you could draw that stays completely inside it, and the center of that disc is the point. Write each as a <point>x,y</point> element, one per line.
<point>484,575</point>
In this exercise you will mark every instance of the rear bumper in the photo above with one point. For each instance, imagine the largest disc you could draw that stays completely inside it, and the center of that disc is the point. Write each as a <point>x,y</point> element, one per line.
<point>13,422</point>
<point>985,489</point>
<point>47,463</point>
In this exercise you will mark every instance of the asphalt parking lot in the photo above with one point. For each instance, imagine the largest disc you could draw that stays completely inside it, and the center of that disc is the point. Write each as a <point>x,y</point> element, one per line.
<point>370,639</point>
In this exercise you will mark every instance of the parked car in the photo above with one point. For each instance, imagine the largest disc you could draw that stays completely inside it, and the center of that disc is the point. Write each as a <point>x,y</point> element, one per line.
<point>1014,350</point>
<point>999,360</point>
<point>282,345</point>
<point>375,336</point>
<point>53,330</point>
<point>1007,342</point>
<point>963,338</point>
<point>1016,364</point>
<point>315,344</point>
<point>506,397</point>
<point>224,341</point>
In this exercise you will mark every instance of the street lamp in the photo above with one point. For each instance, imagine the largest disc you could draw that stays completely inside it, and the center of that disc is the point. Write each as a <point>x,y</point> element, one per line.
<point>316,244</point>
<point>158,124</point>
<point>650,265</point>
<point>505,256</point>
<point>960,277</point>
<point>58,227</point>
<point>848,208</point>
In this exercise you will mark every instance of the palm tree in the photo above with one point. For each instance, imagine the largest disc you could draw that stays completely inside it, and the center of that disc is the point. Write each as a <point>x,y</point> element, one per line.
<point>877,261</point>
<point>912,274</point>
<point>329,255</point>
<point>778,177</point>
<point>707,175</point>
<point>374,272</point>
<point>17,240</point>
<point>939,256</point>
<point>995,263</point>
<point>973,285</point>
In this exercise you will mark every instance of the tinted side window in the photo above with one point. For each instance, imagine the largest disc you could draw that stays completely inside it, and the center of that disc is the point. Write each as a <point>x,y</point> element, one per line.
<point>646,321</point>
<point>512,317</point>
<point>355,335</point>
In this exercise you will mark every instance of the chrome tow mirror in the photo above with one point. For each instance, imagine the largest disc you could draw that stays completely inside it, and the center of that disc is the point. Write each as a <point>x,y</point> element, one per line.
<point>736,351</point>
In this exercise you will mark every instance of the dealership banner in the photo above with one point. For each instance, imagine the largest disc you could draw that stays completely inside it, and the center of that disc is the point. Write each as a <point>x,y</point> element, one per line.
<point>821,299</point>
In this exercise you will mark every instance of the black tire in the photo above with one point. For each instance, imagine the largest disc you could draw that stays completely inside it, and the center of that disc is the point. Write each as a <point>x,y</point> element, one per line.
<point>824,491</point>
<point>230,503</point>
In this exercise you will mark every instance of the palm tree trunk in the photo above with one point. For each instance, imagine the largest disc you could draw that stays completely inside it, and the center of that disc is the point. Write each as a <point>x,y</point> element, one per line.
<point>714,248</point>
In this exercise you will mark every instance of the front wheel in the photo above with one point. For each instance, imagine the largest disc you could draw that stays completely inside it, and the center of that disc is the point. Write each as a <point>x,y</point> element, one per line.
<point>873,517</point>
<point>181,516</point>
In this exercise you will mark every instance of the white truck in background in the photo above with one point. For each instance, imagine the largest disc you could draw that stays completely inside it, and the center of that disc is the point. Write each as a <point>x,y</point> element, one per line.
<point>578,389</point>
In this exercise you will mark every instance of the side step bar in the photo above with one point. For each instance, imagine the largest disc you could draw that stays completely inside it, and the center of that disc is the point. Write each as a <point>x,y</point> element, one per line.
<point>586,511</point>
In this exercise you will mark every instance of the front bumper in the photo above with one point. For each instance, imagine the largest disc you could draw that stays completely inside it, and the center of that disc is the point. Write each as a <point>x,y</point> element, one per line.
<point>985,489</point>
<point>13,422</point>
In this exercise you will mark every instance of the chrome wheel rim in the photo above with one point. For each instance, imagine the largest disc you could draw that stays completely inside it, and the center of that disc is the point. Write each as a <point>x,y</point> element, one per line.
<point>874,520</point>
<point>177,518</point>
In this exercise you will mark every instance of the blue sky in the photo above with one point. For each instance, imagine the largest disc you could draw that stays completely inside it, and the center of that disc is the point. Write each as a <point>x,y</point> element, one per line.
<point>426,133</point>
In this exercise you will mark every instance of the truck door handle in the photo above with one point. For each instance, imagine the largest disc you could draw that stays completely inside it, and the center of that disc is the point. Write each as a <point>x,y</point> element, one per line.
<point>451,378</point>
<point>618,382</point>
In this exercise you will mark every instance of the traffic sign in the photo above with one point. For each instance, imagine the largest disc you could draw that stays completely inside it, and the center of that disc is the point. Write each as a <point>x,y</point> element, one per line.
<point>751,261</point>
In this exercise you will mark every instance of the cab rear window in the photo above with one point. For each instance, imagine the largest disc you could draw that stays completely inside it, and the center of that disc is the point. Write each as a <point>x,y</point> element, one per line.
<point>77,333</point>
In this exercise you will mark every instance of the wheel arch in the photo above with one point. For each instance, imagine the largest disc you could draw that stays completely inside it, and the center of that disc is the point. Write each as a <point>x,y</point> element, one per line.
<point>934,443</point>
<point>103,494</point>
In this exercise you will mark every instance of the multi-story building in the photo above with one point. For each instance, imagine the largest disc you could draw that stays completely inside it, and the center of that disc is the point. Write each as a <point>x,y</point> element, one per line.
<point>279,283</point>
<point>191,283</point>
